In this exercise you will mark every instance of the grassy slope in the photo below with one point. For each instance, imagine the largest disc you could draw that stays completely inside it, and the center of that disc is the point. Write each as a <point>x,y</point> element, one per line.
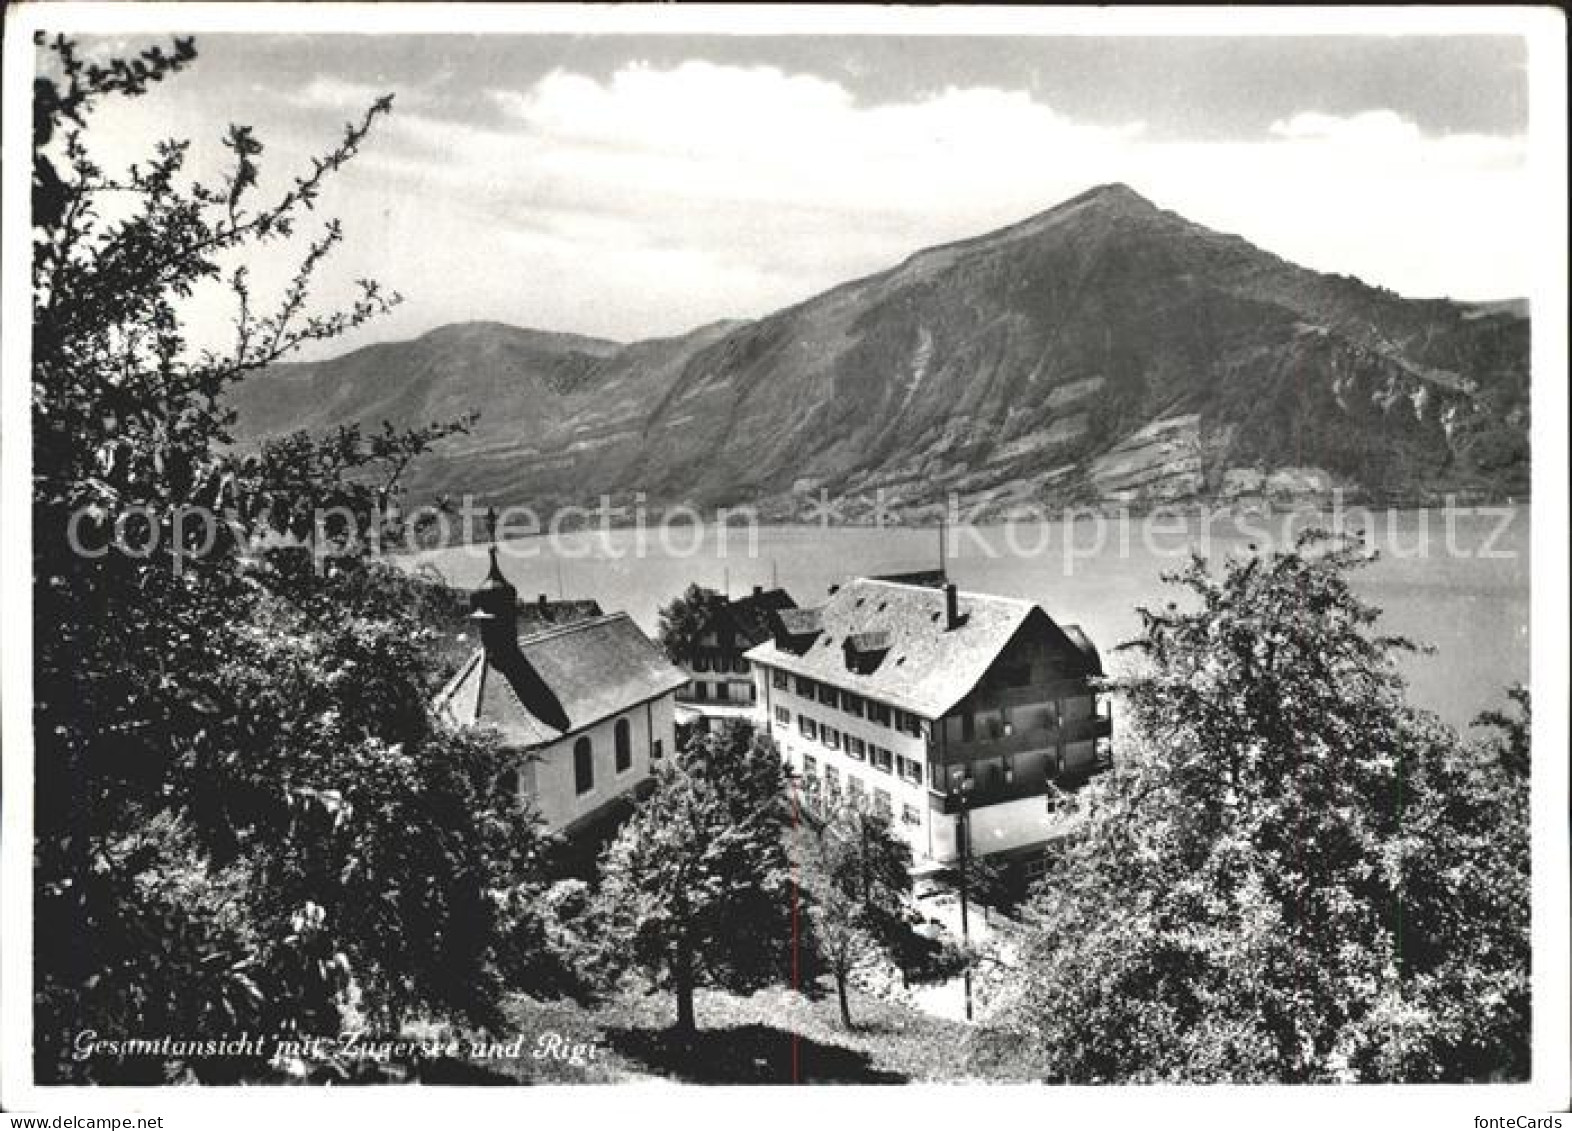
<point>743,1040</point>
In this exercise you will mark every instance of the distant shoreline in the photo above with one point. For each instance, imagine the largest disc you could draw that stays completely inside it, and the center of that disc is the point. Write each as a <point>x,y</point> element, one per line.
<point>1186,509</point>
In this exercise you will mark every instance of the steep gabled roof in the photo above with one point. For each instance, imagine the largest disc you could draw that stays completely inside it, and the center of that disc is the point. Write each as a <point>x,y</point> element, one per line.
<point>754,616</point>
<point>541,615</point>
<point>456,641</point>
<point>560,681</point>
<point>928,667</point>
<point>1084,645</point>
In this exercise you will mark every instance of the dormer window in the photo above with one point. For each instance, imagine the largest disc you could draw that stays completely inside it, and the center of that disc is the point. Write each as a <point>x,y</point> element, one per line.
<point>865,651</point>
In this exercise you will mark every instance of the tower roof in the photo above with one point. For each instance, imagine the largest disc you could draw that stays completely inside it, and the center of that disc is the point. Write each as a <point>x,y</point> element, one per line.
<point>494,581</point>
<point>560,681</point>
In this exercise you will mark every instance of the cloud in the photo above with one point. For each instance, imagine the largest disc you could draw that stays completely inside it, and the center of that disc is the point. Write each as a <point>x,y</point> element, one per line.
<point>655,199</point>
<point>751,187</point>
<point>345,98</point>
<point>784,173</point>
<point>1373,127</point>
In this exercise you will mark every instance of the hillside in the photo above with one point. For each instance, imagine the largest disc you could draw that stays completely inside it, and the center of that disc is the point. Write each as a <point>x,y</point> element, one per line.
<point>1103,350</point>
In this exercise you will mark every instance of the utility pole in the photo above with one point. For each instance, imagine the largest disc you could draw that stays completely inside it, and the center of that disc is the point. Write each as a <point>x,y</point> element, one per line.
<point>965,829</point>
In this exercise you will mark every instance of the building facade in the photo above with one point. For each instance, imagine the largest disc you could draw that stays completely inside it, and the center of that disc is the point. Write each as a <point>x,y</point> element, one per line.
<point>955,714</point>
<point>588,707</point>
<point>720,680</point>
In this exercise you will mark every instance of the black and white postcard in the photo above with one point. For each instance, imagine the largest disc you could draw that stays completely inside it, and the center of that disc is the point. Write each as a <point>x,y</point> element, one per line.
<point>616,548</point>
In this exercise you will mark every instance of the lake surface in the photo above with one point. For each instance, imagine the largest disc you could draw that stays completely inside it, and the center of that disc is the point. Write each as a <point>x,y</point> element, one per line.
<point>1459,582</point>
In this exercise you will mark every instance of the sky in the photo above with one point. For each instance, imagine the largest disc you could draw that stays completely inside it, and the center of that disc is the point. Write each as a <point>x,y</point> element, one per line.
<point>631,186</point>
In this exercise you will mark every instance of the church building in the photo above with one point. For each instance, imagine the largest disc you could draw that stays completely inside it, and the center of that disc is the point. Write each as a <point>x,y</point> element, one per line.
<point>588,707</point>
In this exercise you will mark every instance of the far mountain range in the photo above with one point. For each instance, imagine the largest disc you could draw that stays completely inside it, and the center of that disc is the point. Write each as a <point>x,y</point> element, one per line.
<point>1103,351</point>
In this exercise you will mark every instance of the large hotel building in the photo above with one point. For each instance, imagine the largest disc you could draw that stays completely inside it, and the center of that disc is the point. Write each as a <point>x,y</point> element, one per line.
<point>923,702</point>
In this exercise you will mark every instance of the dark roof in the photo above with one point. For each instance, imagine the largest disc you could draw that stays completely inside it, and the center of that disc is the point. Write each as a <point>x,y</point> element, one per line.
<point>458,639</point>
<point>542,616</point>
<point>1084,645</point>
<point>494,579</point>
<point>755,615</point>
<point>928,668</point>
<point>560,681</point>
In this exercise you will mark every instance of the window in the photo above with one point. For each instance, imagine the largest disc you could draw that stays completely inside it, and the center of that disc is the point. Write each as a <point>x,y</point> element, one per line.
<point>851,704</point>
<point>583,765</point>
<point>810,765</point>
<point>805,687</point>
<point>778,679</point>
<point>881,803</point>
<point>740,666</point>
<point>508,785</point>
<point>721,694</point>
<point>832,781</point>
<point>658,749</point>
<point>880,757</point>
<point>783,716</point>
<point>807,726</point>
<point>879,713</point>
<point>827,696</point>
<point>856,747</point>
<point>830,737</point>
<point>910,816</point>
<point>701,691</point>
<point>968,727</point>
<point>854,791</point>
<point>623,737</point>
<point>701,663</point>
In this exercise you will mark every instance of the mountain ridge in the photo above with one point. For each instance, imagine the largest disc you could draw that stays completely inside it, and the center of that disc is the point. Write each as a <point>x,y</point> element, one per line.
<point>1101,350</point>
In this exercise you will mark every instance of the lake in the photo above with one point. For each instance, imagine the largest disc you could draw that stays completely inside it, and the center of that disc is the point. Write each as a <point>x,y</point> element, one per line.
<point>1457,581</point>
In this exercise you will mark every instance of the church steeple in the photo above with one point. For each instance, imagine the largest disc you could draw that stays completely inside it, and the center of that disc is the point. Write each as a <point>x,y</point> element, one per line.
<point>494,608</point>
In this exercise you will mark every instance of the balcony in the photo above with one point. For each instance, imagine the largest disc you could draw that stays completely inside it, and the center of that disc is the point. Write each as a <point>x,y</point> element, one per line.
<point>994,790</point>
<point>1022,740</point>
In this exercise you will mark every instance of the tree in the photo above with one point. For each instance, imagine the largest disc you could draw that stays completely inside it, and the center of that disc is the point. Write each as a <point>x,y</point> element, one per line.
<point>856,875</point>
<point>695,889</point>
<point>682,621</point>
<point>244,811</point>
<point>1290,873</point>
<point>1461,1009</point>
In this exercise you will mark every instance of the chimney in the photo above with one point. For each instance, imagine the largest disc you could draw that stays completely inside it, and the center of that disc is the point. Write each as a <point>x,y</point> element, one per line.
<point>758,590</point>
<point>542,601</point>
<point>834,589</point>
<point>494,608</point>
<point>952,612</point>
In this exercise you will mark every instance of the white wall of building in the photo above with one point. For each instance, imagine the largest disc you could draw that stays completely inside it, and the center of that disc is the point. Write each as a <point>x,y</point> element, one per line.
<point>995,828</point>
<point>908,799</point>
<point>933,835</point>
<point>548,781</point>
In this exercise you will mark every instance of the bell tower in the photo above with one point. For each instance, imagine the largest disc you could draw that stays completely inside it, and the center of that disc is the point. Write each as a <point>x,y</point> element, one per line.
<point>494,607</point>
